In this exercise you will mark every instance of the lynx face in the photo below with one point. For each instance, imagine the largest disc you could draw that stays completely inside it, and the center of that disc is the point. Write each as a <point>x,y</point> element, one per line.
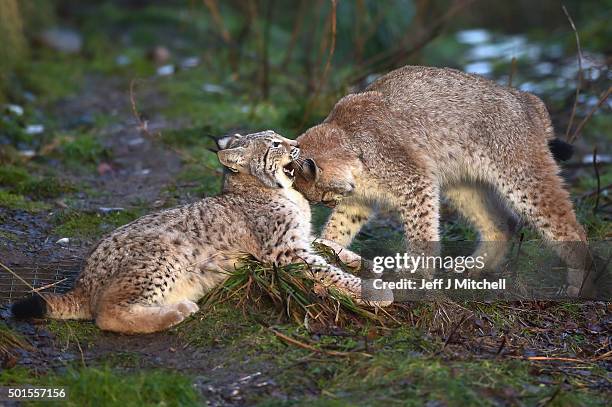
<point>325,170</point>
<point>266,155</point>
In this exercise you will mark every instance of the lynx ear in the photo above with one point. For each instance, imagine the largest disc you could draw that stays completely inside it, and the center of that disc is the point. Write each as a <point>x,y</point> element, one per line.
<point>232,158</point>
<point>227,141</point>
<point>310,171</point>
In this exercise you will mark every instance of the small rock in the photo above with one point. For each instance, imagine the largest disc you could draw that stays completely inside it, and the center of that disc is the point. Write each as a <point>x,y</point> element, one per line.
<point>63,241</point>
<point>63,40</point>
<point>34,129</point>
<point>160,55</point>
<point>190,62</point>
<point>601,158</point>
<point>15,109</point>
<point>29,96</point>
<point>212,88</point>
<point>165,70</point>
<point>104,168</point>
<point>105,210</point>
<point>27,153</point>
<point>123,60</point>
<point>135,141</point>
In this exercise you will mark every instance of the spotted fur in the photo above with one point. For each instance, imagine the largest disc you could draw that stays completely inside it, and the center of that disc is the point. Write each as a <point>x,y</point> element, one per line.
<point>419,133</point>
<point>147,275</point>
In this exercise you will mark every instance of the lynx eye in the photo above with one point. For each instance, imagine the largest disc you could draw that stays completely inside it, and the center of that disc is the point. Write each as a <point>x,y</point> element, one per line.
<point>276,144</point>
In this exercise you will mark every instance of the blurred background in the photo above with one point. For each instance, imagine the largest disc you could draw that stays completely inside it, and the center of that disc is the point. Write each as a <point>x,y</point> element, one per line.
<point>106,104</point>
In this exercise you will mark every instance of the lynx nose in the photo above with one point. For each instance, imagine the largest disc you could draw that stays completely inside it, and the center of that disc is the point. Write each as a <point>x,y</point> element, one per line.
<point>295,153</point>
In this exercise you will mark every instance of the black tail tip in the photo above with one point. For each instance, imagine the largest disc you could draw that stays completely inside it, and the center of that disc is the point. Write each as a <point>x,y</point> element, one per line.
<point>561,150</point>
<point>33,306</point>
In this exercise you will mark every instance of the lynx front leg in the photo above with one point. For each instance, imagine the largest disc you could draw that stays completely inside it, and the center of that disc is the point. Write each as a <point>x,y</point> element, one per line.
<point>346,221</point>
<point>328,275</point>
<point>346,256</point>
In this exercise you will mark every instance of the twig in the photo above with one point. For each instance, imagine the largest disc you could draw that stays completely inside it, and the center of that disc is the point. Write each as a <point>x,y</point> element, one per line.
<point>596,169</point>
<point>560,359</point>
<point>44,287</point>
<point>446,342</point>
<point>501,346</point>
<point>142,125</point>
<point>605,356</point>
<point>311,348</point>
<point>297,27</point>
<point>512,71</point>
<point>400,52</point>
<point>604,96</point>
<point>579,79</point>
<point>330,56</point>
<point>216,15</point>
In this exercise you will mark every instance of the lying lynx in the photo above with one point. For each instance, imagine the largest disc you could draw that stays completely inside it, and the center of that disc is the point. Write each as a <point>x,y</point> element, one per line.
<point>146,276</point>
<point>420,132</point>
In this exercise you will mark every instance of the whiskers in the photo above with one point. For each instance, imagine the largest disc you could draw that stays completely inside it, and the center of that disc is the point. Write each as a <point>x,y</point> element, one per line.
<point>299,163</point>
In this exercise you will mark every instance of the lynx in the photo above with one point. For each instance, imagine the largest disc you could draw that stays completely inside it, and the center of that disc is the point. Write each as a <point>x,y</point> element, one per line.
<point>147,275</point>
<point>419,133</point>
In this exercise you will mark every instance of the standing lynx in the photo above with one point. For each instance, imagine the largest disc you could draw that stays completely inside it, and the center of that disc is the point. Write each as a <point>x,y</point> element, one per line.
<point>147,275</point>
<point>420,132</point>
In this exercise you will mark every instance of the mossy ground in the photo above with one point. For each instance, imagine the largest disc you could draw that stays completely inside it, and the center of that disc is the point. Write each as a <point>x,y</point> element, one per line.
<point>88,158</point>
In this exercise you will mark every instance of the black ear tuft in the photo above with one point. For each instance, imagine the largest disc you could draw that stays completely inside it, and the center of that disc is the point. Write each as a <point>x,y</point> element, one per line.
<point>216,148</point>
<point>309,170</point>
<point>33,306</point>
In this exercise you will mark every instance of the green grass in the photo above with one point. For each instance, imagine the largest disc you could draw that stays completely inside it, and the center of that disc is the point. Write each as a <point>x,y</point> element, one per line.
<point>19,180</point>
<point>68,332</point>
<point>16,201</point>
<point>82,150</point>
<point>105,386</point>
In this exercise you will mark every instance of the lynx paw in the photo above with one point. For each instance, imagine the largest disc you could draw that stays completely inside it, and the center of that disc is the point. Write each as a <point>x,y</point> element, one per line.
<point>187,307</point>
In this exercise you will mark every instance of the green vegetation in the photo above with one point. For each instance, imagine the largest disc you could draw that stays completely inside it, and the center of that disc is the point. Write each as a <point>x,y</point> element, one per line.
<point>107,386</point>
<point>15,201</point>
<point>66,332</point>
<point>82,150</point>
<point>91,225</point>
<point>19,181</point>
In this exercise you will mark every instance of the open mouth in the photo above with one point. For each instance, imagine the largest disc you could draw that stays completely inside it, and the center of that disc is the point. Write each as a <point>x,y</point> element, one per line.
<point>289,170</point>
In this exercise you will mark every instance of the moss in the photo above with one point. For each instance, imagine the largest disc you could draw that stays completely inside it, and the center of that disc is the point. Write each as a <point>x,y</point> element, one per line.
<point>81,150</point>
<point>91,225</point>
<point>53,75</point>
<point>398,377</point>
<point>70,332</point>
<point>16,201</point>
<point>12,237</point>
<point>19,180</point>
<point>222,324</point>
<point>187,137</point>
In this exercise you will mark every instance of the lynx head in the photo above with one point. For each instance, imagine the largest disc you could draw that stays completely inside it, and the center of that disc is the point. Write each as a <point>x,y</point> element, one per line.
<point>265,155</point>
<point>325,168</point>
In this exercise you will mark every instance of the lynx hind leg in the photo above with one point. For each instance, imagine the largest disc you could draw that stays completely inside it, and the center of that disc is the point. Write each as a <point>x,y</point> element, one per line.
<point>537,192</point>
<point>345,255</point>
<point>484,209</point>
<point>136,311</point>
<point>346,221</point>
<point>138,318</point>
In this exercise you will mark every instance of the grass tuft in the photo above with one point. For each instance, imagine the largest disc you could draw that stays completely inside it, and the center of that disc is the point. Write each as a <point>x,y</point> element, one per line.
<point>291,292</point>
